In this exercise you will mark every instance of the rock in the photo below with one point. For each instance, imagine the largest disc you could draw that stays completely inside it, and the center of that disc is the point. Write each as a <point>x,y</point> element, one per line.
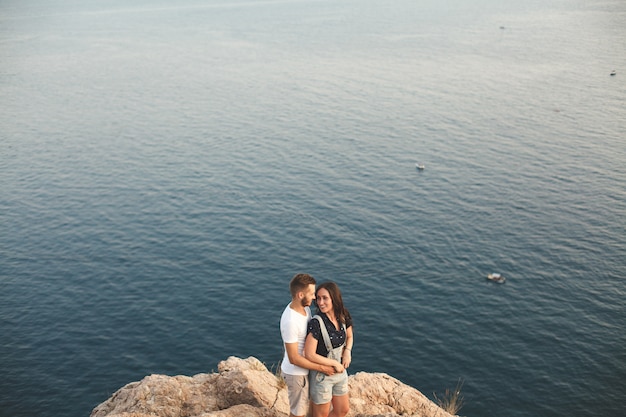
<point>247,381</point>
<point>380,394</point>
<point>245,388</point>
<point>162,396</point>
<point>245,410</point>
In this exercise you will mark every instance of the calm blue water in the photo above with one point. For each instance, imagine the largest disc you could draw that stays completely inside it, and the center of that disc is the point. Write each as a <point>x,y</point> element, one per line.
<point>167,166</point>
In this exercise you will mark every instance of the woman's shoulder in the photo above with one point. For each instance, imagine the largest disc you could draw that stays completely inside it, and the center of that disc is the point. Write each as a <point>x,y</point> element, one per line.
<point>314,327</point>
<point>321,315</point>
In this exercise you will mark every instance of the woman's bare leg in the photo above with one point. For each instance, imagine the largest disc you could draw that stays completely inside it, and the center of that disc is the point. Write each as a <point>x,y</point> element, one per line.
<point>341,406</point>
<point>320,410</point>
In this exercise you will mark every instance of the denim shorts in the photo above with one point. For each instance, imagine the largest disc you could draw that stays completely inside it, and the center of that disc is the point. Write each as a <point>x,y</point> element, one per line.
<point>324,387</point>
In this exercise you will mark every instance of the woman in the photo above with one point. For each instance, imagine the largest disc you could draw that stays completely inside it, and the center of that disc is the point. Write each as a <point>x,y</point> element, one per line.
<point>329,342</point>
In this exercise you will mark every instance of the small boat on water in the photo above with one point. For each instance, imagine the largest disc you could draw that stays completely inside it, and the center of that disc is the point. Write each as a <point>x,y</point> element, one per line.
<point>496,278</point>
<point>613,73</point>
<point>420,167</point>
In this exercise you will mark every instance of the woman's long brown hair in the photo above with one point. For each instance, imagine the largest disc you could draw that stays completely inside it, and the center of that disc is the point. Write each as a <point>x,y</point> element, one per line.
<point>341,312</point>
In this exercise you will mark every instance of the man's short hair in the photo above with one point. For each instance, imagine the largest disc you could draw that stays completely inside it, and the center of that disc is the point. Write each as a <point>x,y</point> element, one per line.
<point>300,282</point>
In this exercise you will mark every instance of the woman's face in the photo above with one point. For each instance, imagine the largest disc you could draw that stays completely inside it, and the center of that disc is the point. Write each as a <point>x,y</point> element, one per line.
<point>323,300</point>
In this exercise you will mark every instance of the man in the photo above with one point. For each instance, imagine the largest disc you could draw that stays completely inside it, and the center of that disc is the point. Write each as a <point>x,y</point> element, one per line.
<point>293,324</point>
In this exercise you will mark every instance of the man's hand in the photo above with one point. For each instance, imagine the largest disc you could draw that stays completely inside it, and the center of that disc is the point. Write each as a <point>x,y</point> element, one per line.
<point>328,370</point>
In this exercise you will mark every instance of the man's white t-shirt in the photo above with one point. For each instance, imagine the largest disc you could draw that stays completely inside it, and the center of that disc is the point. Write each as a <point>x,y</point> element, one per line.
<point>293,329</point>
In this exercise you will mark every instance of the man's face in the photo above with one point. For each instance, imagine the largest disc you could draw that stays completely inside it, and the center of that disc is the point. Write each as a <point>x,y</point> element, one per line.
<point>308,296</point>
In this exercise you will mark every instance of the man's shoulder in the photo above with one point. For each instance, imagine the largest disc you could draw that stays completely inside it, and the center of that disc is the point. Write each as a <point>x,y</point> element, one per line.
<point>292,316</point>
<point>286,315</point>
<point>288,311</point>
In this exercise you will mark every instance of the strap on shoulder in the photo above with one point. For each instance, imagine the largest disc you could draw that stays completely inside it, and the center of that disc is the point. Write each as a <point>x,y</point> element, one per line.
<point>325,336</point>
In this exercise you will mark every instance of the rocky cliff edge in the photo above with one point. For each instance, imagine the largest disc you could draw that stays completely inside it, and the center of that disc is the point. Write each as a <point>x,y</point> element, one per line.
<point>245,387</point>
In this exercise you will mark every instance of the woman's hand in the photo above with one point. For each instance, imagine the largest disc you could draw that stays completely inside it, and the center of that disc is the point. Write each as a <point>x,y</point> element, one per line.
<point>339,368</point>
<point>346,358</point>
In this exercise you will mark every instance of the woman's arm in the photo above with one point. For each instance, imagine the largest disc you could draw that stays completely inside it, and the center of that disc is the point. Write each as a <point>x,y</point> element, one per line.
<point>346,356</point>
<point>310,348</point>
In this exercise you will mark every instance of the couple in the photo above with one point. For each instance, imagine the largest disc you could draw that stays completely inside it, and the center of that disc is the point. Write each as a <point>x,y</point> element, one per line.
<point>322,344</point>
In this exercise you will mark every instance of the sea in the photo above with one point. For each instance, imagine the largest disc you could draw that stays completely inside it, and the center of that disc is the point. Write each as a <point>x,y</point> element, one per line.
<point>167,166</point>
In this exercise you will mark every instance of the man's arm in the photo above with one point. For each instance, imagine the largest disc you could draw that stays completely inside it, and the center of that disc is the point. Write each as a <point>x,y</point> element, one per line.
<point>310,348</point>
<point>299,360</point>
